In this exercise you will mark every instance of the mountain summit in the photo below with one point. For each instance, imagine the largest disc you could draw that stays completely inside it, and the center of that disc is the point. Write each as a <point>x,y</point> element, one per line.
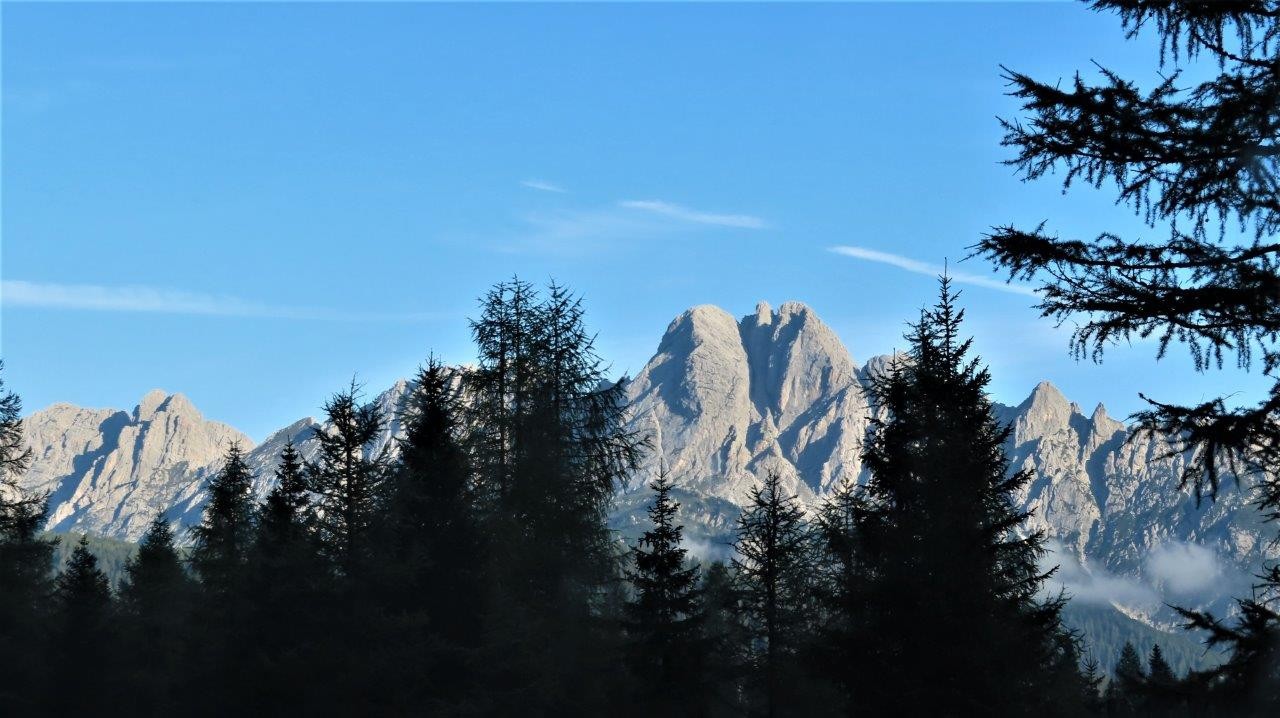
<point>724,401</point>
<point>111,471</point>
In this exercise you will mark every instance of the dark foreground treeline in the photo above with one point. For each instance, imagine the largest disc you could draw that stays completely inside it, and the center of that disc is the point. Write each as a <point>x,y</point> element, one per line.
<point>474,574</point>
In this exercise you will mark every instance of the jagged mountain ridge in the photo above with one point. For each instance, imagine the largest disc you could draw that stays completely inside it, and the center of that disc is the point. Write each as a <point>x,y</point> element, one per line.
<point>723,400</point>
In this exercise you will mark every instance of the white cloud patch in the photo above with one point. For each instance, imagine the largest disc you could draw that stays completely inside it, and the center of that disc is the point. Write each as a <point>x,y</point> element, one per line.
<point>543,186</point>
<point>1184,568</point>
<point>707,552</point>
<point>1174,573</point>
<point>100,298</point>
<point>685,214</point>
<point>1094,585</point>
<point>932,270</point>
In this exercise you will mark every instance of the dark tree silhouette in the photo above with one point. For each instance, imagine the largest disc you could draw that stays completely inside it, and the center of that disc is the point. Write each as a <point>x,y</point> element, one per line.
<point>950,567</point>
<point>548,439</point>
<point>25,562</point>
<point>727,640</point>
<point>1248,683</point>
<point>156,596</point>
<point>285,581</point>
<point>1159,670</point>
<point>773,570</point>
<point>348,477</point>
<point>1128,684</point>
<point>1190,157</point>
<point>1201,159</point>
<point>221,541</point>
<point>431,539</point>
<point>1162,687</point>
<point>666,647</point>
<point>842,648</point>
<point>1093,680</point>
<point>221,640</point>
<point>285,518</point>
<point>82,633</point>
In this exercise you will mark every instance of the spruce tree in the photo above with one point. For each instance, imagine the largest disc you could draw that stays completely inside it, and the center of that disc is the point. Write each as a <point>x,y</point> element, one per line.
<point>155,604</point>
<point>1158,668</point>
<point>82,598</point>
<point>1162,687</point>
<point>82,634</point>
<point>1126,692</point>
<point>1199,160</point>
<point>285,578</point>
<point>953,582</point>
<point>727,639</point>
<point>221,639</point>
<point>773,565</point>
<point>284,518</point>
<point>666,646</point>
<point>1248,682</point>
<point>430,539</point>
<point>1093,679</point>
<point>221,541</point>
<point>26,561</point>
<point>547,433</point>
<point>842,650</point>
<point>348,477</point>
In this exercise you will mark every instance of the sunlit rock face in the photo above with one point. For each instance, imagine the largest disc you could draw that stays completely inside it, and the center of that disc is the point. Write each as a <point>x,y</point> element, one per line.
<point>112,472</point>
<point>724,402</point>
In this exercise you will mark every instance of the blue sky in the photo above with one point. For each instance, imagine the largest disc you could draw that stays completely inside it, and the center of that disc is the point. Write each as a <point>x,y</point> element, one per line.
<point>251,203</point>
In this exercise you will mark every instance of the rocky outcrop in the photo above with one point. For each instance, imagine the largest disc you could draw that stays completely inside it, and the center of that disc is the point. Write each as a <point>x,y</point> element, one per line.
<point>111,472</point>
<point>723,402</point>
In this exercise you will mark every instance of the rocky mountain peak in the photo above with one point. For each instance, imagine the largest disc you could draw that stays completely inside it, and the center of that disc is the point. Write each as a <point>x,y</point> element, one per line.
<point>149,405</point>
<point>701,319</point>
<point>764,314</point>
<point>1102,422</point>
<point>93,463</point>
<point>794,308</point>
<point>157,402</point>
<point>733,399</point>
<point>1046,410</point>
<point>1045,396</point>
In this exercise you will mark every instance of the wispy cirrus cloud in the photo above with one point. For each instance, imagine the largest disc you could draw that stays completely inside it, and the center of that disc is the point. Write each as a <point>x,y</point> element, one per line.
<point>685,214</point>
<point>543,186</point>
<point>101,298</point>
<point>567,230</point>
<point>917,267</point>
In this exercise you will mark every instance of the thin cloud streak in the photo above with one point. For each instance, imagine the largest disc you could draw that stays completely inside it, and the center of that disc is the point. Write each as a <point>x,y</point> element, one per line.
<point>685,214</point>
<point>586,230</point>
<point>543,186</point>
<point>137,299</point>
<point>932,270</point>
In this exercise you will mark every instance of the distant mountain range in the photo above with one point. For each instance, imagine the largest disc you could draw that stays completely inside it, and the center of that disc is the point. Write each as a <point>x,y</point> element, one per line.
<point>723,401</point>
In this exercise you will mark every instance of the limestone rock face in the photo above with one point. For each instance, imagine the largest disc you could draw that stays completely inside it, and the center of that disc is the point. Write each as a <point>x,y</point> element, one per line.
<point>111,472</point>
<point>724,402</point>
<point>1112,499</point>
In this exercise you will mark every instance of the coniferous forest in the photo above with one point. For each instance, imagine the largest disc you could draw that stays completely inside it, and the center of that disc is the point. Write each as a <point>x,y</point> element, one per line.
<point>470,571</point>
